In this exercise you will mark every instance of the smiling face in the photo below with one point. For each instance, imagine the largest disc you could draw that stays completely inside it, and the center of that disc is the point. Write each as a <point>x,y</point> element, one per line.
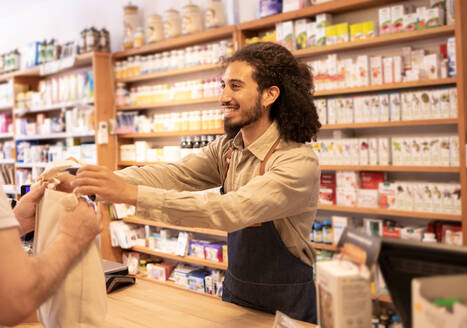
<point>242,103</point>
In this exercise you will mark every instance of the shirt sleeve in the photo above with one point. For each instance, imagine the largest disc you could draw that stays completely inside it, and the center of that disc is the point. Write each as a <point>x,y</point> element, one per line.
<point>193,173</point>
<point>7,218</point>
<point>284,190</point>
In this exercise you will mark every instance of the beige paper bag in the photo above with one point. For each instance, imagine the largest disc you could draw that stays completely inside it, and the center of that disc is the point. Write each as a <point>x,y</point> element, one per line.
<point>81,300</point>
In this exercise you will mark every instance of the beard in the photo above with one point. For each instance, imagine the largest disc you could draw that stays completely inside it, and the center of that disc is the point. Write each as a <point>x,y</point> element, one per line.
<point>252,114</point>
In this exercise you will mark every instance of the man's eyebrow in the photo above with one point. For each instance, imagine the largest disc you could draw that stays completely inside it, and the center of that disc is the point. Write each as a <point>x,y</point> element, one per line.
<point>236,81</point>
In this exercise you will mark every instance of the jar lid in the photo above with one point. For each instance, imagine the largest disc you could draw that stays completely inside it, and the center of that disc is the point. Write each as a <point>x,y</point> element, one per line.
<point>130,7</point>
<point>171,11</point>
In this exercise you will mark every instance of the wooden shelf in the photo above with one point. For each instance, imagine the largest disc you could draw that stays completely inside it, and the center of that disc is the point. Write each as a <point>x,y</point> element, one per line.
<point>436,169</point>
<point>171,134</point>
<point>173,285</point>
<point>80,61</point>
<point>175,72</point>
<point>382,211</point>
<point>331,7</point>
<point>62,135</point>
<point>179,42</point>
<point>131,163</point>
<point>383,40</point>
<point>186,259</point>
<point>447,121</point>
<point>47,108</point>
<point>326,247</point>
<point>6,135</point>
<point>383,87</point>
<point>173,103</point>
<point>212,232</point>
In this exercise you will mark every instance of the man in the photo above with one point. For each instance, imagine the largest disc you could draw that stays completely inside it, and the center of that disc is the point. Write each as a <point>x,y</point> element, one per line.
<point>269,179</point>
<point>27,281</point>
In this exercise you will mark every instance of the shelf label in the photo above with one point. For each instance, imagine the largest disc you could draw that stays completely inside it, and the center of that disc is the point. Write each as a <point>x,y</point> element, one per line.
<point>103,133</point>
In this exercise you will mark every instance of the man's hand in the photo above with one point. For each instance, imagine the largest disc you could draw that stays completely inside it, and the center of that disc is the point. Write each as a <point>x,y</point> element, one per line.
<point>65,182</point>
<point>99,180</point>
<point>81,225</point>
<point>25,210</point>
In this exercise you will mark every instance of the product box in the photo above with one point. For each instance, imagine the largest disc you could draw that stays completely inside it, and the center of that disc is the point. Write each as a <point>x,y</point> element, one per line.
<point>375,109</point>
<point>301,27</point>
<point>373,227</point>
<point>395,106</point>
<point>384,149</point>
<point>406,106</point>
<point>269,7</point>
<point>426,151</point>
<point>196,280</point>
<point>342,32</point>
<point>434,17</point>
<point>406,151</point>
<point>453,102</point>
<point>279,34</point>
<point>348,179</point>
<point>290,5</point>
<point>335,308</point>
<point>387,195</point>
<point>376,68</point>
<point>431,66</point>
<point>444,103</point>
<point>385,22</point>
<point>384,107</point>
<point>454,150</point>
<point>410,22</point>
<point>321,109</point>
<point>332,111</point>
<point>396,150</point>
<point>391,232</point>
<point>367,109</point>
<point>181,274</point>
<point>373,151</point>
<point>368,30</point>
<point>159,271</point>
<point>367,198</point>
<point>388,70</point>
<point>436,198</point>
<point>449,12</point>
<point>412,233</point>
<point>416,151</point>
<point>397,69</point>
<point>397,18</point>
<point>320,36</point>
<point>349,109</point>
<point>323,20</point>
<point>197,248</point>
<point>371,180</point>
<point>364,151</point>
<point>331,34</point>
<point>435,104</point>
<point>363,77</point>
<point>416,105</point>
<point>451,47</point>
<point>213,252</point>
<point>425,314</point>
<point>425,101</point>
<point>311,34</point>
<point>339,223</point>
<point>445,153</point>
<point>288,39</point>
<point>356,32</point>
<point>421,17</point>
<point>346,196</point>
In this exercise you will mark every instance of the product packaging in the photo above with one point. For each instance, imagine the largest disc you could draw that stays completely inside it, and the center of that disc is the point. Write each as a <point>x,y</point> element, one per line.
<point>385,22</point>
<point>301,26</point>
<point>397,18</point>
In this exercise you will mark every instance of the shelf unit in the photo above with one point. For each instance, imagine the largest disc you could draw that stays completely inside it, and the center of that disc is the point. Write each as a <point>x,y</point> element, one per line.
<point>391,124</point>
<point>53,107</point>
<point>186,259</point>
<point>60,135</point>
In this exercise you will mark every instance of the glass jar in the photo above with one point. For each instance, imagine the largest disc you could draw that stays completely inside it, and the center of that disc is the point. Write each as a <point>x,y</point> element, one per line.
<point>192,20</point>
<point>139,38</point>
<point>154,29</point>
<point>104,40</point>
<point>130,23</point>
<point>214,15</point>
<point>92,40</point>
<point>172,24</point>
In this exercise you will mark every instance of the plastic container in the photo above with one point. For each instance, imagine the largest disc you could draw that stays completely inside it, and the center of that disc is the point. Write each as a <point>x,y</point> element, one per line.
<point>172,24</point>
<point>192,20</point>
<point>154,29</point>
<point>317,232</point>
<point>327,232</point>
<point>214,16</point>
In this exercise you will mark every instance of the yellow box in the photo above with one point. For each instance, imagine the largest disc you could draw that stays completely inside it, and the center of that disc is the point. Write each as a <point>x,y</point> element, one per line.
<point>368,29</point>
<point>331,34</point>
<point>342,32</point>
<point>356,32</point>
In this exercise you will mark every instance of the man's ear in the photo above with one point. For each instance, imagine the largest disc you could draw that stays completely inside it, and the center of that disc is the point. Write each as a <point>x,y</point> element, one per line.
<point>270,95</point>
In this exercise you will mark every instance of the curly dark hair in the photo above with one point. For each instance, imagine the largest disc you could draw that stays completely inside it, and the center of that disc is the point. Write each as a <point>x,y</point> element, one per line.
<point>294,110</point>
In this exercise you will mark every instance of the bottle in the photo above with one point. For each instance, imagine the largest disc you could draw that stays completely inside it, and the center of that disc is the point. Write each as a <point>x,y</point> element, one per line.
<point>204,141</point>
<point>82,41</point>
<point>317,232</point>
<point>327,232</point>
<point>139,37</point>
<point>104,40</point>
<point>396,322</point>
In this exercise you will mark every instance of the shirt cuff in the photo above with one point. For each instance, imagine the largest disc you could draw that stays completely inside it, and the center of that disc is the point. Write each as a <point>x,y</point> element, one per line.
<point>149,202</point>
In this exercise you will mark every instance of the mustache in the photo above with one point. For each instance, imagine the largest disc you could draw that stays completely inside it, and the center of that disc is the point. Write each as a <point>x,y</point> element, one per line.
<point>229,104</point>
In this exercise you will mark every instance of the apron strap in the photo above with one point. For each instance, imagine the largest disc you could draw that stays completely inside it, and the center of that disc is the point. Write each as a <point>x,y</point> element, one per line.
<point>262,167</point>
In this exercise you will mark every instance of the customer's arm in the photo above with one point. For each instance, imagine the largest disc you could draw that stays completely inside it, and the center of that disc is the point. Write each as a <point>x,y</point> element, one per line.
<point>26,282</point>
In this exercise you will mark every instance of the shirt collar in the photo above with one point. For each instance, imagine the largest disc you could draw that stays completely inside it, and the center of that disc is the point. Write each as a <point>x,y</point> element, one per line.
<point>261,146</point>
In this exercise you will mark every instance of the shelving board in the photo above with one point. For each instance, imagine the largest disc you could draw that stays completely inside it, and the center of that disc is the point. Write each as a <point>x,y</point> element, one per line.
<point>186,259</point>
<point>7,161</point>
<point>390,124</point>
<point>212,232</point>
<point>171,134</point>
<point>131,163</point>
<point>6,135</point>
<point>10,189</point>
<point>170,73</point>
<point>79,61</point>
<point>22,111</point>
<point>172,284</point>
<point>61,135</point>
<point>331,7</point>
<point>382,211</point>
<point>179,42</point>
<point>384,87</point>
<point>383,40</point>
<point>326,247</point>
<point>384,168</point>
<point>172,103</point>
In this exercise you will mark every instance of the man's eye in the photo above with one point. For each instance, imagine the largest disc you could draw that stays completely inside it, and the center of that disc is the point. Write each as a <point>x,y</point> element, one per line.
<point>235,86</point>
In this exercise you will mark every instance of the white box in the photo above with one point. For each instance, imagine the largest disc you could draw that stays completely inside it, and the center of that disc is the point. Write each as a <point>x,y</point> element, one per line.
<point>416,105</point>
<point>384,151</point>
<point>425,99</point>
<point>445,152</point>
<point>397,64</point>
<point>388,69</point>
<point>418,198</point>
<point>384,19</point>
<point>301,26</point>
<point>367,198</point>
<point>395,106</point>
<point>373,227</point>
<point>348,110</point>
<point>416,151</point>
<point>406,106</point>
<point>449,12</point>
<point>431,66</point>
<point>410,22</point>
<point>437,198</point>
<point>401,195</point>
<point>445,103</point>
<point>311,34</point>
<point>290,5</point>
<point>320,36</point>
<point>454,150</point>
<point>427,197</point>
<point>435,103</point>
<point>332,111</point>
<point>366,109</point>
<point>363,71</point>
<point>346,197</point>
<point>279,35</point>
<point>424,290</point>
<point>338,303</point>
<point>426,151</point>
<point>373,151</point>
<point>376,68</point>
<point>406,151</point>
<point>288,35</point>
<point>397,18</point>
<point>375,112</point>
<point>396,151</point>
<point>364,154</point>
<point>434,17</point>
<point>339,223</point>
<point>323,20</point>
<point>384,105</point>
<point>453,102</point>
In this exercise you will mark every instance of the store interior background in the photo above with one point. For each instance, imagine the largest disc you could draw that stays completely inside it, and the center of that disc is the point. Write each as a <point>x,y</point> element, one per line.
<point>23,21</point>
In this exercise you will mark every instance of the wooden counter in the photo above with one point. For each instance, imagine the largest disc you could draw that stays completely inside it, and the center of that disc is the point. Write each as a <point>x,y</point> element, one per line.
<point>151,305</point>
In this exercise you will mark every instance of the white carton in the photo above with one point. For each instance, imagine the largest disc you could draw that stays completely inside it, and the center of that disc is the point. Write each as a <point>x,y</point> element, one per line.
<point>451,48</point>
<point>437,198</point>
<point>425,99</point>
<point>349,110</point>
<point>453,102</point>
<point>340,108</point>
<point>320,36</point>
<point>375,108</point>
<point>406,151</point>
<point>388,69</point>
<point>339,223</point>
<point>395,106</point>
<point>418,198</point>
<point>397,18</point>
<point>321,109</point>
<point>426,151</point>
<point>431,66</point>
<point>396,151</point>
<point>445,153</point>
<point>435,146</point>
<point>416,151</point>
<point>397,64</point>
<point>364,154</point>
<point>279,35</point>
<point>454,150</point>
<point>367,198</point>
<point>384,150</point>
<point>435,103</point>
<point>301,26</point>
<point>384,105</point>
<point>449,12</point>
<point>409,203</point>
<point>444,103</point>
<point>416,105</point>
<point>401,195</point>
<point>288,35</point>
<point>346,196</point>
<point>434,17</point>
<point>363,71</point>
<point>332,111</point>
<point>427,197</point>
<point>343,295</point>
<point>323,20</point>
<point>406,106</point>
<point>290,5</point>
<point>384,19</point>
<point>311,34</point>
<point>373,151</point>
<point>366,109</point>
<point>376,68</point>
<point>355,155</point>
<point>425,290</point>
<point>448,197</point>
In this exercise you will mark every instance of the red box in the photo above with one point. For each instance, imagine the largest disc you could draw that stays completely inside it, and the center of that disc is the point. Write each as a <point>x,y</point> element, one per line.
<point>371,180</point>
<point>392,232</point>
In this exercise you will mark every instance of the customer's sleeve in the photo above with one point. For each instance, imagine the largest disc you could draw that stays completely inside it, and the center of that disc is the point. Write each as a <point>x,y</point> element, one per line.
<point>194,172</point>
<point>283,191</point>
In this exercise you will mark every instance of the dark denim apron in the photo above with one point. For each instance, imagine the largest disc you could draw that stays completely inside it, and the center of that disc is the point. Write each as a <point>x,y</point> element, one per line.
<point>264,275</point>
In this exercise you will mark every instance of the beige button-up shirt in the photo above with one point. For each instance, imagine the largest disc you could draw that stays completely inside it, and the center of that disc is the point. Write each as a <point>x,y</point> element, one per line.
<point>287,193</point>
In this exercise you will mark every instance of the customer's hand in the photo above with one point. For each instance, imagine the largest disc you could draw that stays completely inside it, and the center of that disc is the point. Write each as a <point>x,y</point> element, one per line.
<point>99,180</point>
<point>65,182</point>
<point>81,225</point>
<point>25,210</point>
